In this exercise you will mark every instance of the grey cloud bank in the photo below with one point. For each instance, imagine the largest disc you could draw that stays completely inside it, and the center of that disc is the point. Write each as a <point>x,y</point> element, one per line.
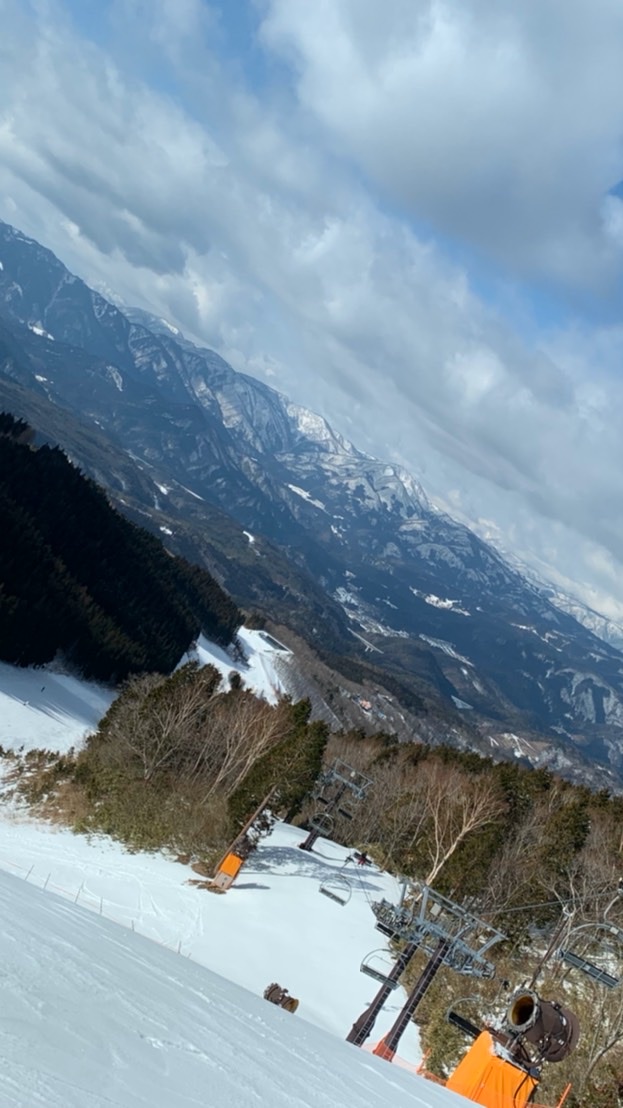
<point>265,224</point>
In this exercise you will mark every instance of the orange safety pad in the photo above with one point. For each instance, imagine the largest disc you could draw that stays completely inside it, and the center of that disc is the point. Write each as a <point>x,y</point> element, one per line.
<point>230,865</point>
<point>489,1080</point>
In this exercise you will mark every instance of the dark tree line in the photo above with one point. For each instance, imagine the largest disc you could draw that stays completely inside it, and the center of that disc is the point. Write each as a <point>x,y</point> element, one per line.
<point>78,579</point>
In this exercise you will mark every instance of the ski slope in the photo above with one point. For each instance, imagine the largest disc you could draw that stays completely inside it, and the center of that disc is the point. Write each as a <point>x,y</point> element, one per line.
<point>258,670</point>
<point>53,711</point>
<point>94,1016</point>
<point>273,925</point>
<point>125,984</point>
<point>42,708</point>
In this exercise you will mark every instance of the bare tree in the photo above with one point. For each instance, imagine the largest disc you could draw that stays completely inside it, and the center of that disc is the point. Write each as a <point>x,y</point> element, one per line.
<point>456,805</point>
<point>240,730</point>
<point>420,814</point>
<point>155,717</point>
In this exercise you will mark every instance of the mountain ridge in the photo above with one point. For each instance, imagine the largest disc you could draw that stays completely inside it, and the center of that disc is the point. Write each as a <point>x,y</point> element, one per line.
<point>418,586</point>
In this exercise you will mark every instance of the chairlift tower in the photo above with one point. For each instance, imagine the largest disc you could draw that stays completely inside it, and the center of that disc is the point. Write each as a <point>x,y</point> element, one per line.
<point>446,931</point>
<point>338,789</point>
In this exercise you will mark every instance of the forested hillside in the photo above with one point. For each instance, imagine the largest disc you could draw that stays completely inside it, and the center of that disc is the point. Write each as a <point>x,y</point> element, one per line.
<point>80,581</point>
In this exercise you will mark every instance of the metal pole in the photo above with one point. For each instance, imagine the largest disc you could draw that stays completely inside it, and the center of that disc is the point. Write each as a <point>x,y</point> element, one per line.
<point>554,944</point>
<point>241,834</point>
<point>362,1027</point>
<point>313,834</point>
<point>389,1043</point>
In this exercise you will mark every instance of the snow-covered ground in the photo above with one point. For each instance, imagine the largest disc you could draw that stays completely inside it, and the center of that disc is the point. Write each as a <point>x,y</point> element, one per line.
<point>39,708</point>
<point>53,711</point>
<point>258,672</point>
<point>273,925</point>
<point>94,1016</point>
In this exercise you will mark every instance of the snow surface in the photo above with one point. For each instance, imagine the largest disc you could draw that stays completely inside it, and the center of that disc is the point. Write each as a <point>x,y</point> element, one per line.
<point>95,1017</point>
<point>39,708</point>
<point>37,329</point>
<point>259,671</point>
<point>54,711</point>
<point>273,925</point>
<point>447,648</point>
<point>308,497</point>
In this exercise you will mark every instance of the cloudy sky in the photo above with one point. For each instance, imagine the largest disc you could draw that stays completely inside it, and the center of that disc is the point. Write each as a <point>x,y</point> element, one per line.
<point>405,214</point>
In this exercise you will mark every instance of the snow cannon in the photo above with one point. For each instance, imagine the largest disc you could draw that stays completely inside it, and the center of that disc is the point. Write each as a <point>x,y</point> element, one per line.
<point>275,994</point>
<point>545,1024</point>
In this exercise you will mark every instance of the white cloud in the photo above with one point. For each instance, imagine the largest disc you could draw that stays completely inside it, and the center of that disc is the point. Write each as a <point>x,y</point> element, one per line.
<point>232,215</point>
<point>500,123</point>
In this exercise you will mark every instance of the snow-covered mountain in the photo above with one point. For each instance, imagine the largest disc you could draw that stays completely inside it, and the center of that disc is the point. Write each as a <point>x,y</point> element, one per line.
<point>440,606</point>
<point>609,630</point>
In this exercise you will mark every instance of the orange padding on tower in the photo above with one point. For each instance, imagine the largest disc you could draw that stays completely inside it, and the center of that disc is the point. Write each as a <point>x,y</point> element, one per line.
<point>230,865</point>
<point>488,1080</point>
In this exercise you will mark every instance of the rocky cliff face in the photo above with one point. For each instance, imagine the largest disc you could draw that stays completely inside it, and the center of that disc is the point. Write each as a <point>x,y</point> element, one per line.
<point>419,589</point>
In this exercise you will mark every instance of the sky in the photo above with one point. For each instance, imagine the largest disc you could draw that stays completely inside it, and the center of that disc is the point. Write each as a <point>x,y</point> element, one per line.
<point>407,216</point>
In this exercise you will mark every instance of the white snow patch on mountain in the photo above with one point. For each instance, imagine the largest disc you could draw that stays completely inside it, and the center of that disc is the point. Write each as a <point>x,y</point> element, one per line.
<point>439,602</point>
<point>447,648</point>
<point>462,704</point>
<point>37,329</point>
<point>195,494</point>
<point>314,427</point>
<point>306,496</point>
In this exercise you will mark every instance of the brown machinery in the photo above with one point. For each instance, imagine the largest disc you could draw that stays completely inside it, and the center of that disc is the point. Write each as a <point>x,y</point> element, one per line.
<point>276,994</point>
<point>502,1067</point>
<point>258,825</point>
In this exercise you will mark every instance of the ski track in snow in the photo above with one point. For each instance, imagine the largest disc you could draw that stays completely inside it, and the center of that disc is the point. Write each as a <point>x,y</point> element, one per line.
<point>97,1017</point>
<point>305,941</point>
<point>94,1015</point>
<point>39,708</point>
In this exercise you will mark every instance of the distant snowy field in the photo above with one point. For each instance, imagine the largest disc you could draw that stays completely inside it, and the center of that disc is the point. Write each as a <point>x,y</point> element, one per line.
<point>40,708</point>
<point>94,1016</point>
<point>259,673</point>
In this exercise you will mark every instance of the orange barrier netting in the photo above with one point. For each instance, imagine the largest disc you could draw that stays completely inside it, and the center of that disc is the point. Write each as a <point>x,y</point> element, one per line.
<point>485,1079</point>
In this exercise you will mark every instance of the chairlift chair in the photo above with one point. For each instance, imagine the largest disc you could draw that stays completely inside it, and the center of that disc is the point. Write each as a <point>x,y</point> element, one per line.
<point>323,823</point>
<point>578,961</point>
<point>463,1023</point>
<point>378,965</point>
<point>336,888</point>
